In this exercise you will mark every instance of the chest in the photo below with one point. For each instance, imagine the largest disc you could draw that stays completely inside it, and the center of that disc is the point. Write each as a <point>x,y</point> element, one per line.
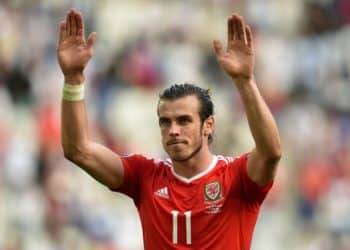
<point>205,195</point>
<point>185,211</point>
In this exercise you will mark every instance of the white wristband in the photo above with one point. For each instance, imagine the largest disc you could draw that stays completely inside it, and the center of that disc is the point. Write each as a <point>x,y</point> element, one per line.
<point>73,92</point>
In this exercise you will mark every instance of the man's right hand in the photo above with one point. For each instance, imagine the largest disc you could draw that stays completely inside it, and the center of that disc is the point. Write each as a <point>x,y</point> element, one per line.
<point>73,51</point>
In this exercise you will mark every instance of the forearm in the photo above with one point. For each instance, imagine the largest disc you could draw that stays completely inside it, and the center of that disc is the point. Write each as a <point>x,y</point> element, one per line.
<point>98,161</point>
<point>74,127</point>
<point>261,122</point>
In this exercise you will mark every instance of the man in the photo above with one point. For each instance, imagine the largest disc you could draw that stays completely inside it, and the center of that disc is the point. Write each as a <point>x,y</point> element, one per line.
<point>194,200</point>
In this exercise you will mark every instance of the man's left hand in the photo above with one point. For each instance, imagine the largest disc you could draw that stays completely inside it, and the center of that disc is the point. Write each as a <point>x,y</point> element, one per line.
<point>238,59</point>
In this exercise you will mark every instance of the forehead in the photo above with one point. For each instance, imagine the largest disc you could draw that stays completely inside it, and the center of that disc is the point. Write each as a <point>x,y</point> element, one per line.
<point>185,105</point>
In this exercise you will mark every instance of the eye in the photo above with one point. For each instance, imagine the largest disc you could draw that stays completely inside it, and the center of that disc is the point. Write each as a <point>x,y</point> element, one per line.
<point>184,120</point>
<point>163,122</point>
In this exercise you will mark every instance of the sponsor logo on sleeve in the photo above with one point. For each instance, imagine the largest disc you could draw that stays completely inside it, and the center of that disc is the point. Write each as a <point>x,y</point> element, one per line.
<point>126,155</point>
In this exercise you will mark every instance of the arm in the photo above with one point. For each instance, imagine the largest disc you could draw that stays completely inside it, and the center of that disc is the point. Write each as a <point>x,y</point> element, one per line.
<point>238,63</point>
<point>73,54</point>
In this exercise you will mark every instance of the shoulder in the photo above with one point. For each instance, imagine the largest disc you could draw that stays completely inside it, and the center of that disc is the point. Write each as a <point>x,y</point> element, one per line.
<point>233,166</point>
<point>142,161</point>
<point>225,159</point>
<point>232,161</point>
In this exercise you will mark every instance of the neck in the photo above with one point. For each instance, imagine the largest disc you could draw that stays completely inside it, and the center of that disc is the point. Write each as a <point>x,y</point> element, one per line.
<point>194,165</point>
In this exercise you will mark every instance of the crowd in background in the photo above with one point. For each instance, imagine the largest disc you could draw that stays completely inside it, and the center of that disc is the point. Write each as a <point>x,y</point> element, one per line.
<point>302,69</point>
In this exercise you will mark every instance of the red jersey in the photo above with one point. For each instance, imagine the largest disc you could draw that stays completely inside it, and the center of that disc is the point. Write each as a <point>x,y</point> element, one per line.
<point>216,209</point>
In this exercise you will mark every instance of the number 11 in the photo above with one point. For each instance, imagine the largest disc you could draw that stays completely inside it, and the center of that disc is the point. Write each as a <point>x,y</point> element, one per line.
<point>175,214</point>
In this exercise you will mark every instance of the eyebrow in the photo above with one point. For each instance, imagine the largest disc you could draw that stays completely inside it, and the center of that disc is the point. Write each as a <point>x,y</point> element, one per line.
<point>177,117</point>
<point>184,116</point>
<point>162,118</point>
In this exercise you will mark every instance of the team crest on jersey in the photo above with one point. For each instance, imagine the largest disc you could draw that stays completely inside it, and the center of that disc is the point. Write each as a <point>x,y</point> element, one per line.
<point>212,191</point>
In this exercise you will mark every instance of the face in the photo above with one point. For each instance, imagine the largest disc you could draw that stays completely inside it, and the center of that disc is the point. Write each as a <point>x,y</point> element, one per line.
<point>183,134</point>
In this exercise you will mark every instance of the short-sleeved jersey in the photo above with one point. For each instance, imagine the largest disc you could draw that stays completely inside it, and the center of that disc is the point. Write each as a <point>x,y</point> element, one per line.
<point>216,209</point>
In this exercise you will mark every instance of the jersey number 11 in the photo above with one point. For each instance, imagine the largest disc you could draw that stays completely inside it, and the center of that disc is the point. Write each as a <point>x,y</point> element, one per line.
<point>187,214</point>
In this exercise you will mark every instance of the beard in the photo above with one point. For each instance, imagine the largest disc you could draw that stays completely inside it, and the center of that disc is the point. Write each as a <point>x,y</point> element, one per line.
<point>182,158</point>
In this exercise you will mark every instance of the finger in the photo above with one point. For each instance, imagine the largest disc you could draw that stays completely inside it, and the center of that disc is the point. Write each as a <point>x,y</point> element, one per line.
<point>249,33</point>
<point>218,48</point>
<point>238,34</point>
<point>79,19</point>
<point>238,29</point>
<point>233,28</point>
<point>241,29</point>
<point>68,27</point>
<point>229,30</point>
<point>91,41</point>
<point>73,23</point>
<point>63,32</point>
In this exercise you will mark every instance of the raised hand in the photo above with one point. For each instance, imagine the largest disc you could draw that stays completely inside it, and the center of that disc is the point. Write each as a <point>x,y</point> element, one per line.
<point>73,52</point>
<point>238,59</point>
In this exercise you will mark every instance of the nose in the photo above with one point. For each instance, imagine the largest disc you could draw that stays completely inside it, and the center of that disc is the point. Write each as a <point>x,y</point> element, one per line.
<point>174,130</point>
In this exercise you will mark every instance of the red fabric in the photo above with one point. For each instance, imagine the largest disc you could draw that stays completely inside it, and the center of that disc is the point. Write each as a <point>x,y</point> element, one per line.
<point>224,221</point>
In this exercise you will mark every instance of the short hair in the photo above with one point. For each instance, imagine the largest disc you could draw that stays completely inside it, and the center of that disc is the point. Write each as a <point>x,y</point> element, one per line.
<point>177,91</point>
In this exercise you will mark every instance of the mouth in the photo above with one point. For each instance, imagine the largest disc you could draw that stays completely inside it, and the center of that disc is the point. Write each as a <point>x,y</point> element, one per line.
<point>175,142</point>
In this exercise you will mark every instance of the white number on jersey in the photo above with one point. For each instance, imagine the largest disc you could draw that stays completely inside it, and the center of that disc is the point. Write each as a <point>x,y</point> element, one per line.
<point>187,214</point>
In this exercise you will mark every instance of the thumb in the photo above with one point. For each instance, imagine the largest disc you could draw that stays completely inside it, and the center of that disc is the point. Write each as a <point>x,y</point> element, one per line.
<point>91,40</point>
<point>217,47</point>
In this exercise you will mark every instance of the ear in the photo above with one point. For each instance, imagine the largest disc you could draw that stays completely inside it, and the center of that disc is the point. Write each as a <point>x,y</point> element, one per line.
<point>208,126</point>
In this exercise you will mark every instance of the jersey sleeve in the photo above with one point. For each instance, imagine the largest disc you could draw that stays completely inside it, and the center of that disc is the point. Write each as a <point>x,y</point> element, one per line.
<point>249,190</point>
<point>135,167</point>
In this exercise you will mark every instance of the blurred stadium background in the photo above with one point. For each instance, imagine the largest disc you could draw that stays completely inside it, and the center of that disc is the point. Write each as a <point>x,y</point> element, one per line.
<point>303,71</point>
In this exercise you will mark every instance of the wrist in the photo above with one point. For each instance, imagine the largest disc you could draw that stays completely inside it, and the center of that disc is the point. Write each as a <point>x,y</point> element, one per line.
<point>242,83</point>
<point>74,78</point>
<point>73,92</point>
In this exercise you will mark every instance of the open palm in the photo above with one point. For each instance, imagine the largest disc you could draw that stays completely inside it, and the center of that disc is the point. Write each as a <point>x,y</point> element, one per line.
<point>73,52</point>
<point>238,59</point>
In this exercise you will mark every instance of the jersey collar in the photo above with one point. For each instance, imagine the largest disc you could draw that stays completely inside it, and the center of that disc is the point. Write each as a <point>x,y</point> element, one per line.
<point>197,176</point>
